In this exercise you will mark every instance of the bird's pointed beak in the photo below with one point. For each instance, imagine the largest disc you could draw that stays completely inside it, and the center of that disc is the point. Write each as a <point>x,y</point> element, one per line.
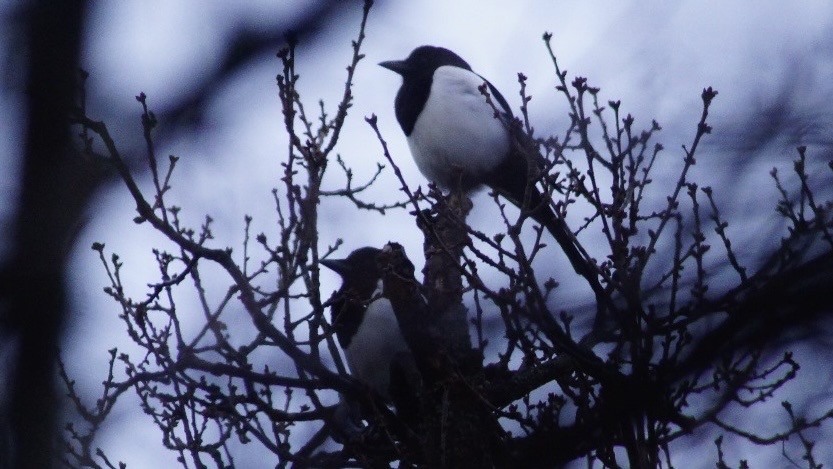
<point>398,66</point>
<point>339,266</point>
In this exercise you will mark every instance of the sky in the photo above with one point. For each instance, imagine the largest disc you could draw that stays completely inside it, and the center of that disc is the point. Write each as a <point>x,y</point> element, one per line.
<point>766,61</point>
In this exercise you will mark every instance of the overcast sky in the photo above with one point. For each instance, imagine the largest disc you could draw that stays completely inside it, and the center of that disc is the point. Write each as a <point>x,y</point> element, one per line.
<point>765,59</point>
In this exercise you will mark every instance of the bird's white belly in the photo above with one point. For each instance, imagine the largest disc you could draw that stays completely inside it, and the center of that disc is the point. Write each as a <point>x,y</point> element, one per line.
<point>457,130</point>
<point>374,345</point>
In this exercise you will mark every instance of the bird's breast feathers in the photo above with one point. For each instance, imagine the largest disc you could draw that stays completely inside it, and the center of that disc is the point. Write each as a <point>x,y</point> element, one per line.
<point>374,345</point>
<point>457,130</point>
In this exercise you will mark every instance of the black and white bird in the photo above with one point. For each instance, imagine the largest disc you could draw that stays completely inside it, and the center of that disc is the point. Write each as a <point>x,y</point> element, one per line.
<point>364,321</point>
<point>457,141</point>
<point>453,133</point>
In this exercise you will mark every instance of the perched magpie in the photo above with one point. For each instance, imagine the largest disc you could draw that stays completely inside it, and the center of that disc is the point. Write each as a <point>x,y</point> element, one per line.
<point>457,141</point>
<point>364,321</point>
<point>453,133</point>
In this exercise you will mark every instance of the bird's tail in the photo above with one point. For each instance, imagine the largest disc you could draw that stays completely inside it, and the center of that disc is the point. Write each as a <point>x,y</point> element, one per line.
<point>510,181</point>
<point>543,214</point>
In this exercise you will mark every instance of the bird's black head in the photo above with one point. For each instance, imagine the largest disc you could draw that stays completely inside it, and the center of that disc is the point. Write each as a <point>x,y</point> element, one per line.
<point>417,72</point>
<point>423,61</point>
<point>358,270</point>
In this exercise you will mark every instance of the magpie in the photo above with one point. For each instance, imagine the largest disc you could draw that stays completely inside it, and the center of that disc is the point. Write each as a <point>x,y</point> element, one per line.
<point>364,321</point>
<point>458,141</point>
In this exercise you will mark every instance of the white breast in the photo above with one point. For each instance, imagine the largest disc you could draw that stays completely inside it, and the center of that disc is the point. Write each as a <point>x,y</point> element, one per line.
<point>374,345</point>
<point>457,130</point>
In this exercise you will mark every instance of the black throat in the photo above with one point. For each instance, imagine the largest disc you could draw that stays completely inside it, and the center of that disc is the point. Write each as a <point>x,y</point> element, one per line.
<point>360,278</point>
<point>348,308</point>
<point>410,100</point>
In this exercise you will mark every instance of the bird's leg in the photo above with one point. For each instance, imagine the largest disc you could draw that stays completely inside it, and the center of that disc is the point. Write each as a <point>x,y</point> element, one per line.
<point>459,181</point>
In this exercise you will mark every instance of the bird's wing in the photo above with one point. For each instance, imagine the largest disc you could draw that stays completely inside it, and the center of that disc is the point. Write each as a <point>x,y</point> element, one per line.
<point>503,105</point>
